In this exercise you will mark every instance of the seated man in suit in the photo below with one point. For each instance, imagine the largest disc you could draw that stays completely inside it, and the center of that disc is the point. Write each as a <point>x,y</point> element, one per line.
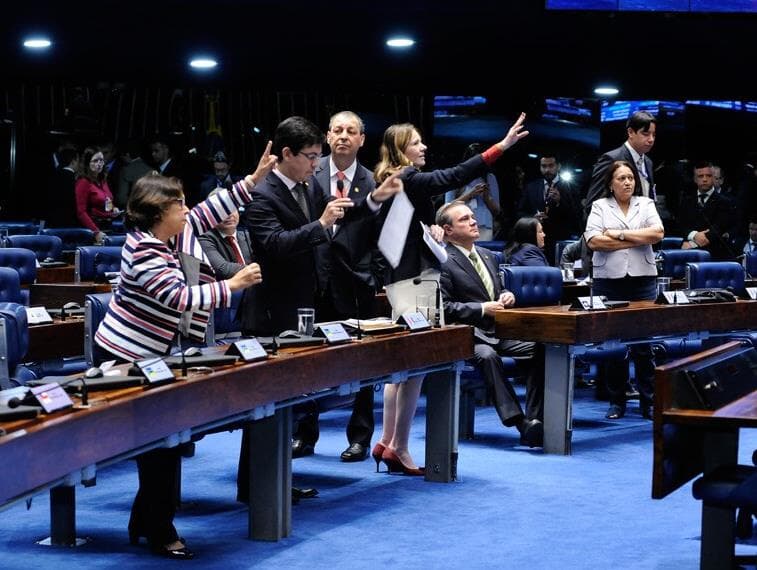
<point>472,295</point>
<point>227,246</point>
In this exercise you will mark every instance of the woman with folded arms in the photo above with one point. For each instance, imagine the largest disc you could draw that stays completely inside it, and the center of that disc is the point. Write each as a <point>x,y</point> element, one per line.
<point>167,288</point>
<point>620,230</point>
<point>403,150</point>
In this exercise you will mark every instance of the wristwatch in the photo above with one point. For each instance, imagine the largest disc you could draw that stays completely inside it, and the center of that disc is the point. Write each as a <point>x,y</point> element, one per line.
<point>621,236</point>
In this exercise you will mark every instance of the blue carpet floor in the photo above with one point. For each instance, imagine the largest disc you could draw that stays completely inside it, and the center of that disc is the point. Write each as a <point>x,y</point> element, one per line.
<point>512,508</point>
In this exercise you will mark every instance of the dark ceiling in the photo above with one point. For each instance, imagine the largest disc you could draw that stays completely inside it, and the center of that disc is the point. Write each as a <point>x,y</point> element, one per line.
<point>513,47</point>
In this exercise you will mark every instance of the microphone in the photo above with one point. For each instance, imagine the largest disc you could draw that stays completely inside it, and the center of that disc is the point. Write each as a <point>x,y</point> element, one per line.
<point>591,286</point>
<point>437,316</point>
<point>27,399</point>
<point>340,186</point>
<point>183,357</point>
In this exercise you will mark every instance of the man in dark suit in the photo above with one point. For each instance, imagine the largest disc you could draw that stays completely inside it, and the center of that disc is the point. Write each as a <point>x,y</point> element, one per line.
<point>228,247</point>
<point>61,197</point>
<point>706,218</point>
<point>350,260</point>
<point>472,295</point>
<point>550,200</point>
<point>221,177</point>
<point>641,128</point>
<point>289,221</point>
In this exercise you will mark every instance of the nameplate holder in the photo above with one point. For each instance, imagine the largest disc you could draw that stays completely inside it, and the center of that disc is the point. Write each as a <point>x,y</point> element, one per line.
<point>414,321</point>
<point>334,333</point>
<point>752,292</point>
<point>38,316</point>
<point>248,349</point>
<point>677,297</point>
<point>52,397</point>
<point>156,371</point>
<point>594,303</point>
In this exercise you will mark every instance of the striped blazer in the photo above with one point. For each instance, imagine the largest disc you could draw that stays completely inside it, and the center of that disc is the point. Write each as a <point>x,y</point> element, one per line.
<point>147,307</point>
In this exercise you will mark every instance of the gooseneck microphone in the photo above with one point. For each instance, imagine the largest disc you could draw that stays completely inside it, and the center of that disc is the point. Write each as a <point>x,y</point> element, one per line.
<point>340,186</point>
<point>437,316</point>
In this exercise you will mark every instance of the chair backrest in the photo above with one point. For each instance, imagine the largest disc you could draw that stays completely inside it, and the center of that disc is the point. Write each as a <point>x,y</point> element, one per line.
<point>14,342</point>
<point>495,246</point>
<point>750,264</point>
<point>22,260</point>
<point>533,286</point>
<point>95,307</point>
<point>93,262</point>
<point>671,243</point>
<point>560,245</point>
<point>718,274</point>
<point>114,239</point>
<point>674,260</point>
<point>10,286</point>
<point>43,246</point>
<point>71,237</point>
<point>16,228</point>
<point>225,319</point>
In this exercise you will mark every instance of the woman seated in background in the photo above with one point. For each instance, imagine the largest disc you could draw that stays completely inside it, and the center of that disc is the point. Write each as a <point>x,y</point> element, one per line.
<point>167,289</point>
<point>620,230</point>
<point>94,200</point>
<point>527,244</point>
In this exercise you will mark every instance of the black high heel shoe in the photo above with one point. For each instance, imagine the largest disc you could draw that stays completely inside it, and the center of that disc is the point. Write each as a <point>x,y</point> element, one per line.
<point>182,553</point>
<point>377,452</point>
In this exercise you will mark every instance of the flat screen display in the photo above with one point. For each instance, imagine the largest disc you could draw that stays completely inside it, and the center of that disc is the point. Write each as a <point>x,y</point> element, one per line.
<point>725,6</point>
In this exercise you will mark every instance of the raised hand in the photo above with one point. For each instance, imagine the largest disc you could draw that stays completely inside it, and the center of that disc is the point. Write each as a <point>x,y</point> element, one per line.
<point>388,188</point>
<point>265,165</point>
<point>515,133</point>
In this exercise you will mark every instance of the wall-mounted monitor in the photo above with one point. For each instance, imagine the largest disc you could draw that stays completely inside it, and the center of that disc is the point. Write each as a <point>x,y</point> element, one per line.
<point>621,110</point>
<point>725,6</point>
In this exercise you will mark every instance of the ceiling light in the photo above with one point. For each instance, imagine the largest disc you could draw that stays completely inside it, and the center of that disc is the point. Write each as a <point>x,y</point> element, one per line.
<point>37,43</point>
<point>203,63</point>
<point>400,42</point>
<point>606,90</point>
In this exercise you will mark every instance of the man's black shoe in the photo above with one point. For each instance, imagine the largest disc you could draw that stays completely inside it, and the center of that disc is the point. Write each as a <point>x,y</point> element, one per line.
<point>309,493</point>
<point>355,452</point>
<point>532,433</point>
<point>301,449</point>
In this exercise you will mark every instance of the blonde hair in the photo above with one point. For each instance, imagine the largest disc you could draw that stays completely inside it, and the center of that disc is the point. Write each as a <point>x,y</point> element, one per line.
<point>392,152</point>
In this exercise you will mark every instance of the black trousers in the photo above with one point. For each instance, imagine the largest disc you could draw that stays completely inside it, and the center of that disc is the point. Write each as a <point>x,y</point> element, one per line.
<point>154,507</point>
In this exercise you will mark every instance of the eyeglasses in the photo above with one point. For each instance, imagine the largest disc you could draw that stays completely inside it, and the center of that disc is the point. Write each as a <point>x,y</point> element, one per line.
<point>97,160</point>
<point>311,156</point>
<point>180,201</point>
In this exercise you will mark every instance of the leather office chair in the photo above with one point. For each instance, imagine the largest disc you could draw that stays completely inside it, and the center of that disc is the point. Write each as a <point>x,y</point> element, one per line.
<point>225,325</point>
<point>750,264</point>
<point>14,342</point>
<point>495,246</point>
<point>93,262</point>
<point>71,237</point>
<point>44,247</point>
<point>673,261</point>
<point>24,262</point>
<point>717,274</point>
<point>18,228</point>
<point>670,243</point>
<point>560,245</point>
<point>95,307</point>
<point>114,239</point>
<point>10,286</point>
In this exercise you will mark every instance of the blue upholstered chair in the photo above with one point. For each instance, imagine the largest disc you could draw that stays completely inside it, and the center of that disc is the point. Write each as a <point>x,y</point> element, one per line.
<point>115,239</point>
<point>14,342</point>
<point>10,286</point>
<point>533,286</point>
<point>750,264</point>
<point>24,262</point>
<point>44,247</point>
<point>95,307</point>
<point>225,324</point>
<point>670,243</point>
<point>18,228</point>
<point>494,246</point>
<point>71,237</point>
<point>93,262</point>
<point>673,261</point>
<point>717,274</point>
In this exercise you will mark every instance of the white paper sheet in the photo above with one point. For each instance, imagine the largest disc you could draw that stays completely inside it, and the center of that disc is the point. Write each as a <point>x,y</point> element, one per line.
<point>393,236</point>
<point>436,248</point>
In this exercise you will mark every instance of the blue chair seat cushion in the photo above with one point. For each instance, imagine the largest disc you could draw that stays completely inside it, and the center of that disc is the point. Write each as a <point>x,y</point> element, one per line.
<point>729,486</point>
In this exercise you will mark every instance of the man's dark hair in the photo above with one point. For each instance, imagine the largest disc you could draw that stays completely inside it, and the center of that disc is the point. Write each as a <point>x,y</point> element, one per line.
<point>640,121</point>
<point>442,214</point>
<point>66,155</point>
<point>703,164</point>
<point>295,133</point>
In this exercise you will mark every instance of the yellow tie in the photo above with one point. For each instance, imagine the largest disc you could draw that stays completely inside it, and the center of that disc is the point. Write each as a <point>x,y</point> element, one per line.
<point>483,274</point>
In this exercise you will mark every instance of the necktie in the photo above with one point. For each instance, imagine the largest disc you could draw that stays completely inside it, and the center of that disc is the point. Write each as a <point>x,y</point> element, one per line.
<point>235,248</point>
<point>643,176</point>
<point>702,200</point>
<point>341,188</point>
<point>299,192</point>
<point>754,246</point>
<point>483,274</point>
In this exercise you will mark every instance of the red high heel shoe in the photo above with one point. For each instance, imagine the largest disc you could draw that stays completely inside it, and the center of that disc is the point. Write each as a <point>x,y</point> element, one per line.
<point>395,465</point>
<point>377,453</point>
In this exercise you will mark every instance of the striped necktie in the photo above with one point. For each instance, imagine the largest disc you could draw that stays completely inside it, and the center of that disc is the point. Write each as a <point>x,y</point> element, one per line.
<point>483,274</point>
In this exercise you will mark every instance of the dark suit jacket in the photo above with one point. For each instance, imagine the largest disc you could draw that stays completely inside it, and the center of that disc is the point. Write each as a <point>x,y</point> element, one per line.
<point>562,222</point>
<point>528,254</point>
<point>420,187</point>
<point>212,182</point>
<point>596,186</point>
<point>463,291</point>
<point>285,243</point>
<point>718,216</point>
<point>350,260</point>
<point>61,200</point>
<point>221,255</point>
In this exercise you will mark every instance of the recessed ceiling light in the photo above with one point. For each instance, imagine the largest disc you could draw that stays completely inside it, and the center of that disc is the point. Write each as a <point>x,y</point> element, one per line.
<point>37,43</point>
<point>400,42</point>
<point>203,63</point>
<point>606,90</point>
